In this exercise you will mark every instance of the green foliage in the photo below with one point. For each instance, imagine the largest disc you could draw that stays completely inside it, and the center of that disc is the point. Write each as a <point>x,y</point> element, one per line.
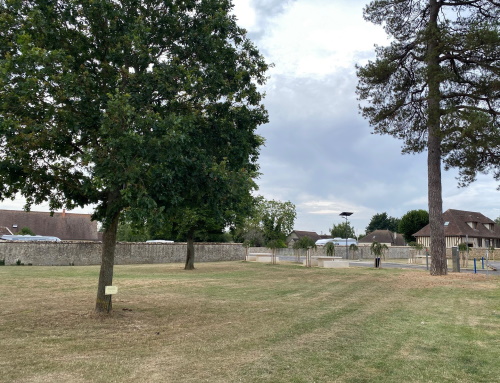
<point>477,150</point>
<point>19,263</point>
<point>381,221</point>
<point>253,235</point>
<point>436,87</point>
<point>353,248</point>
<point>129,233</point>
<point>2,262</point>
<point>330,249</point>
<point>411,222</point>
<point>268,220</point>
<point>378,249</point>
<point>497,221</point>
<point>26,231</point>
<point>135,120</point>
<point>128,105</point>
<point>463,247</point>
<point>305,243</point>
<point>342,230</point>
<point>276,244</point>
<point>462,61</point>
<point>416,245</point>
<point>277,218</point>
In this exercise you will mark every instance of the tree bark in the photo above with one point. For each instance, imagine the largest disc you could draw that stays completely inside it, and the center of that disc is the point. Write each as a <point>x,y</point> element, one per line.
<point>190,251</point>
<point>435,199</point>
<point>103,302</point>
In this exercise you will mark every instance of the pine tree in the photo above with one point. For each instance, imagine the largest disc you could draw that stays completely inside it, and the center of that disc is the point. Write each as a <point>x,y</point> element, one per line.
<point>436,83</point>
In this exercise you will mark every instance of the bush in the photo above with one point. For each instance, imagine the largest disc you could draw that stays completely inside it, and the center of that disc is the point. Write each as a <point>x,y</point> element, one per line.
<point>330,249</point>
<point>26,231</point>
<point>276,244</point>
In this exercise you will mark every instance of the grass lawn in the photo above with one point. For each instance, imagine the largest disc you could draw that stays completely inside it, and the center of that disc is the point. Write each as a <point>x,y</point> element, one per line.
<point>249,322</point>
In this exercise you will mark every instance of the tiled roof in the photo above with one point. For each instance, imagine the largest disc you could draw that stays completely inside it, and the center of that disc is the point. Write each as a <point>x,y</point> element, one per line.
<point>311,234</point>
<point>66,226</point>
<point>383,236</point>
<point>456,225</point>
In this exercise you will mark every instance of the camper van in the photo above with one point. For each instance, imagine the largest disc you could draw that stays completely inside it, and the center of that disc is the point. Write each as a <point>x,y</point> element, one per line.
<point>336,241</point>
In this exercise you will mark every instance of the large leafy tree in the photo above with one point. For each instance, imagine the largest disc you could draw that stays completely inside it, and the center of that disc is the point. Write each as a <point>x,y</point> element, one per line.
<point>277,219</point>
<point>102,102</point>
<point>437,87</point>
<point>268,220</point>
<point>411,222</point>
<point>225,201</point>
<point>343,230</point>
<point>382,221</point>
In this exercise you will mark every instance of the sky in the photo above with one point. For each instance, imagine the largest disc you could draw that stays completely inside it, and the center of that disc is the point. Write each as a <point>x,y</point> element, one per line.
<point>319,152</point>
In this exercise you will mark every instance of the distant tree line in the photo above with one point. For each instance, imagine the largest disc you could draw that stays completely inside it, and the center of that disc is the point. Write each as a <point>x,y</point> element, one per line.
<point>263,221</point>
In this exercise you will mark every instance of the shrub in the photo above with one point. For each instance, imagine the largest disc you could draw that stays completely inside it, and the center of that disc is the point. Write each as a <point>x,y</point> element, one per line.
<point>26,231</point>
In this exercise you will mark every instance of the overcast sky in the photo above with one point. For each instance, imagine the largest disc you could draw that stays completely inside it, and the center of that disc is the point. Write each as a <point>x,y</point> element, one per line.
<point>320,153</point>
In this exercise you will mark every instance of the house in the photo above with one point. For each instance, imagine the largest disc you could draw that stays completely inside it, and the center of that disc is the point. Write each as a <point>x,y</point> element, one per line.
<point>295,235</point>
<point>464,227</point>
<point>66,226</point>
<point>386,237</point>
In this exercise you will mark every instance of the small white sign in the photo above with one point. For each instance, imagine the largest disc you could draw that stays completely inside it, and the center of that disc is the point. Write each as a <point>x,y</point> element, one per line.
<point>110,290</point>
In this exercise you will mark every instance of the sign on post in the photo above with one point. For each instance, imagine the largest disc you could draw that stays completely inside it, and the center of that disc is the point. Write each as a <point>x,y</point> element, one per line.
<point>110,290</point>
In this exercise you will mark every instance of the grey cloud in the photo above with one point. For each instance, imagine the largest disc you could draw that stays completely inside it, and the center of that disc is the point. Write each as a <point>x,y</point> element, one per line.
<point>266,13</point>
<point>318,144</point>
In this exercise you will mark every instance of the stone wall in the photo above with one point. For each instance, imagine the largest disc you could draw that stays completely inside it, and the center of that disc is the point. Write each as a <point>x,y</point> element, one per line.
<point>89,253</point>
<point>478,253</point>
<point>394,252</point>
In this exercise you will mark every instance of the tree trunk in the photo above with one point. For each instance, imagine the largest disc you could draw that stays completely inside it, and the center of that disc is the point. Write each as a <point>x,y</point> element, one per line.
<point>103,302</point>
<point>435,199</point>
<point>190,251</point>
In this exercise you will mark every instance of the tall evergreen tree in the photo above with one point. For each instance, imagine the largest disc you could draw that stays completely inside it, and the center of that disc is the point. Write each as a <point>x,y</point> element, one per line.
<point>122,103</point>
<point>437,83</point>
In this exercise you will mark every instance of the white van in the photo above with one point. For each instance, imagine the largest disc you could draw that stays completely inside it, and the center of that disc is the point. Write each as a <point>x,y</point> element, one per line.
<point>336,241</point>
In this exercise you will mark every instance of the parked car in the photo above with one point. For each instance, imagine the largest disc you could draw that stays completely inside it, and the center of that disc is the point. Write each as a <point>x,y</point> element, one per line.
<point>30,238</point>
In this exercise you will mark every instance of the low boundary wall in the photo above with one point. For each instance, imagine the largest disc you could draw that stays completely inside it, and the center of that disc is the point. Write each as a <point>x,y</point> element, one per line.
<point>89,253</point>
<point>394,252</point>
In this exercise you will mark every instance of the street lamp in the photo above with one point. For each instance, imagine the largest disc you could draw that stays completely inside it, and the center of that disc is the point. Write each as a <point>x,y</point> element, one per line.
<point>346,214</point>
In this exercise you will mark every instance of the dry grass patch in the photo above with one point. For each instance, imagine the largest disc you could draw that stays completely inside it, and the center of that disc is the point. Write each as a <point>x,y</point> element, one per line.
<point>238,321</point>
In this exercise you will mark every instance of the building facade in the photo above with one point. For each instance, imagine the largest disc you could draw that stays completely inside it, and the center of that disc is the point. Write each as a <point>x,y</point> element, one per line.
<point>460,226</point>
